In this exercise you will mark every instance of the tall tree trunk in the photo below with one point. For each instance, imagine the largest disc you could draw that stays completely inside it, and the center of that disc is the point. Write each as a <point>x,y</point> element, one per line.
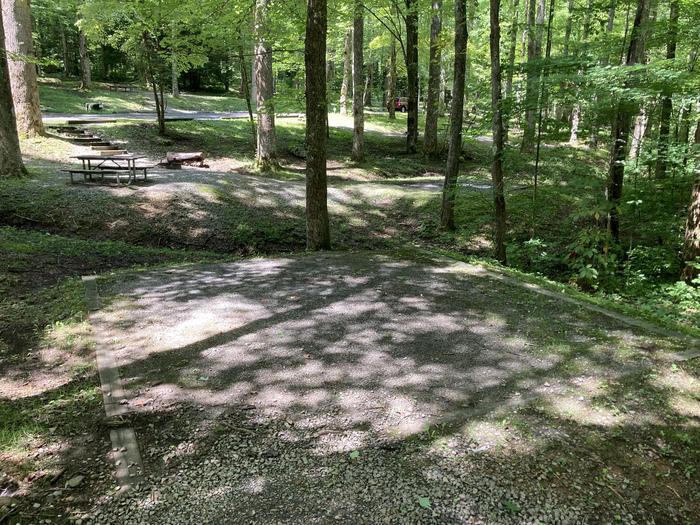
<point>499,199</point>
<point>64,52</point>
<point>534,54</point>
<point>347,73</point>
<point>622,123</point>
<point>10,156</point>
<point>367,92</point>
<point>266,151</point>
<point>454,151</point>
<point>85,66</point>
<point>511,67</point>
<point>667,100</point>
<point>691,246</point>
<point>18,42</point>
<point>640,126</point>
<point>576,110</point>
<point>412,69</point>
<point>245,85</point>
<point>392,80</point>
<point>173,78</point>
<point>358,83</point>
<point>430,140</point>
<point>317,228</point>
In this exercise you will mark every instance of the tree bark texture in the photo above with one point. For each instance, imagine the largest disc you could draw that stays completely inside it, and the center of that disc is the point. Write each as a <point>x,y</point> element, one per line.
<point>392,80</point>
<point>499,199</point>
<point>430,138</point>
<point>691,245</point>
<point>266,150</point>
<point>10,156</point>
<point>23,83</point>
<point>358,83</point>
<point>412,69</point>
<point>317,228</point>
<point>85,65</point>
<point>447,220</point>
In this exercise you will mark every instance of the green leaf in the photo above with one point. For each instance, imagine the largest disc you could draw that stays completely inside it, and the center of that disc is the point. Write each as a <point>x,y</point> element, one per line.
<point>354,454</point>
<point>512,507</point>
<point>424,502</point>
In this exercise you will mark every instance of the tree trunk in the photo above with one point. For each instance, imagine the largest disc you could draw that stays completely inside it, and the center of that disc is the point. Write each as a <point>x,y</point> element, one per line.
<point>640,126</point>
<point>499,198</point>
<point>317,228</point>
<point>23,84</point>
<point>347,73</point>
<point>534,53</point>
<point>511,67</point>
<point>691,246</point>
<point>85,66</point>
<point>430,140</point>
<point>367,91</point>
<point>412,69</point>
<point>173,78</point>
<point>64,52</point>
<point>454,151</point>
<point>666,102</point>
<point>392,80</point>
<point>10,156</point>
<point>622,124</point>
<point>245,85</point>
<point>358,83</point>
<point>266,151</point>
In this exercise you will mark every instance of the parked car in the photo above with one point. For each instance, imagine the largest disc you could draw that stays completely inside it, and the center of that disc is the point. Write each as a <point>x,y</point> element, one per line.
<point>400,104</point>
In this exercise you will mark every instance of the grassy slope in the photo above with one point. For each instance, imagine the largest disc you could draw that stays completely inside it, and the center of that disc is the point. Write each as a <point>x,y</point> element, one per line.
<point>65,97</point>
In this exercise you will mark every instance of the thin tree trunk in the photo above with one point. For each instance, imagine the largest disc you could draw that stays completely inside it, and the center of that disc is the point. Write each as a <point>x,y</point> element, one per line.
<point>691,245</point>
<point>511,66</point>
<point>499,198</point>
<point>317,228</point>
<point>358,83</point>
<point>640,126</point>
<point>10,155</point>
<point>266,151</point>
<point>85,66</point>
<point>245,85</point>
<point>392,80</point>
<point>64,52</point>
<point>622,124</point>
<point>430,140</point>
<point>173,77</point>
<point>347,73</point>
<point>667,101</point>
<point>367,101</point>
<point>412,69</point>
<point>23,82</point>
<point>534,53</point>
<point>447,220</point>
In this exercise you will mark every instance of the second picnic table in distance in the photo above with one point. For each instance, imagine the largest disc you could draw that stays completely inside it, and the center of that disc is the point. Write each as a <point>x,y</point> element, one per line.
<point>100,164</point>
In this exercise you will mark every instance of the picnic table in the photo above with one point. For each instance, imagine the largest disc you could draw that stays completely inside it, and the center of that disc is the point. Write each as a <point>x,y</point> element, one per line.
<point>109,164</point>
<point>122,87</point>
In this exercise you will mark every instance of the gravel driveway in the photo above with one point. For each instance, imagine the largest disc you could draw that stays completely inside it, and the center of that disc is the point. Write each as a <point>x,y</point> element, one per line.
<point>357,388</point>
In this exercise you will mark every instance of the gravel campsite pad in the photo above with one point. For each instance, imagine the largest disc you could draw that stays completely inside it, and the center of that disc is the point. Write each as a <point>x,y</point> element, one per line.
<point>356,388</point>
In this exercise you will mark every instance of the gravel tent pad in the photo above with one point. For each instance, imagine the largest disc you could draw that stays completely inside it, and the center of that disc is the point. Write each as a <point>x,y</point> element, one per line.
<point>357,388</point>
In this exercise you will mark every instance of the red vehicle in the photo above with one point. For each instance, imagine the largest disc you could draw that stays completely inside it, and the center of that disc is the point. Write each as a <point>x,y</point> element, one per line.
<point>400,104</point>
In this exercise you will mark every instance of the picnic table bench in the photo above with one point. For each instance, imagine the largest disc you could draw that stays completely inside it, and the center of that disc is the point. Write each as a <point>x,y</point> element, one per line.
<point>122,87</point>
<point>109,165</point>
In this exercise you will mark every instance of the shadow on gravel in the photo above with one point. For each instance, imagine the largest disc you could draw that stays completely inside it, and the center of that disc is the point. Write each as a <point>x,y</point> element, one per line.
<point>368,383</point>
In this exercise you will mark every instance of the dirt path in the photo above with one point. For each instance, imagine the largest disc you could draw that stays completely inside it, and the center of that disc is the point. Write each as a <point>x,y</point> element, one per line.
<point>358,388</point>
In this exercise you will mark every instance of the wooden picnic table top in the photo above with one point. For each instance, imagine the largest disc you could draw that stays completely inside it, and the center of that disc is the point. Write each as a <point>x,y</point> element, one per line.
<point>123,156</point>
